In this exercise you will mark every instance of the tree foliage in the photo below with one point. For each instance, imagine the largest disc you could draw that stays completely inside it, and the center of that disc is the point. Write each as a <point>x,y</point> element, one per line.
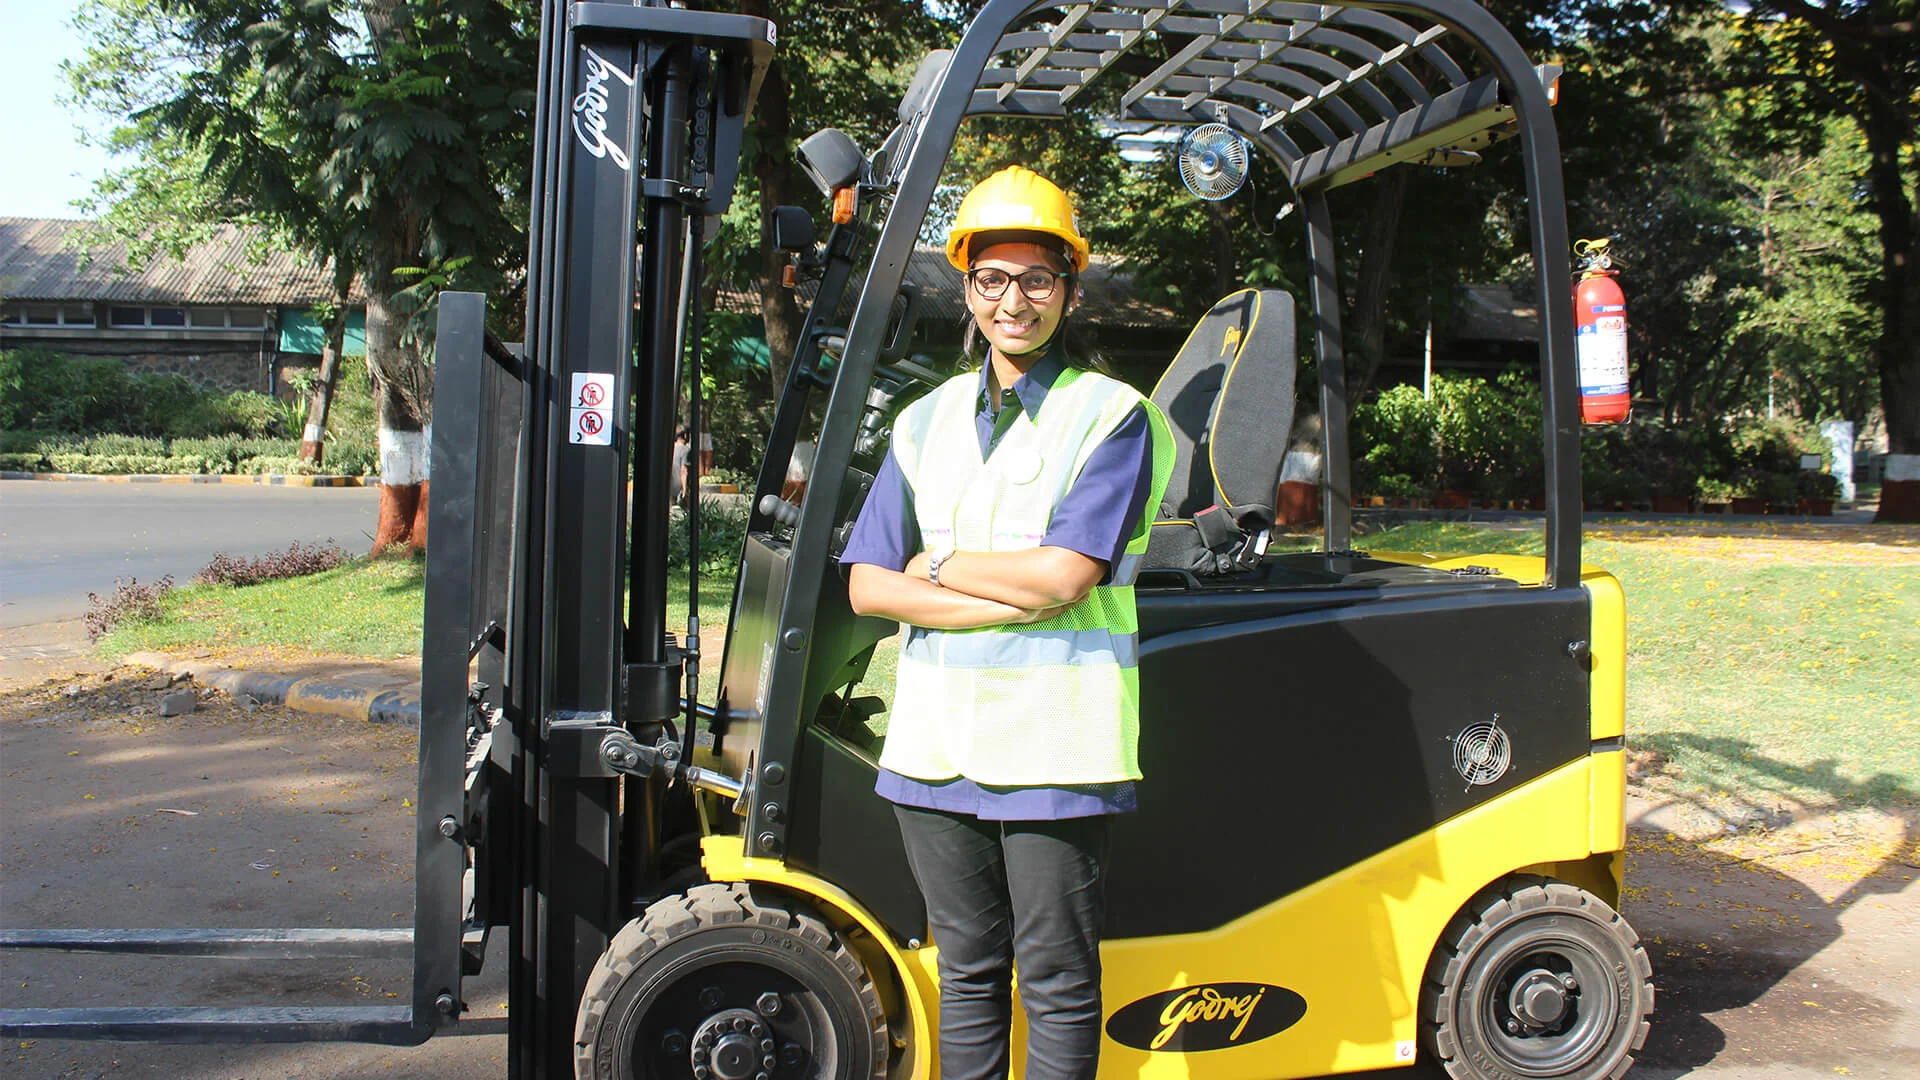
<point>389,139</point>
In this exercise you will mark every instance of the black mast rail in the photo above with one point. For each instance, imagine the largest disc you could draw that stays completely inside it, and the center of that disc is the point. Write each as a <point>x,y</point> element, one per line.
<point>615,184</point>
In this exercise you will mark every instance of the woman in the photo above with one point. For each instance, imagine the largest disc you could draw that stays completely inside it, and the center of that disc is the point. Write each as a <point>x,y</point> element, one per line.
<point>1003,531</point>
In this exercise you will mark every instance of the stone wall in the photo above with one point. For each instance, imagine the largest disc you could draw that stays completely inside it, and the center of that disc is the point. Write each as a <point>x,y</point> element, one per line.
<point>224,365</point>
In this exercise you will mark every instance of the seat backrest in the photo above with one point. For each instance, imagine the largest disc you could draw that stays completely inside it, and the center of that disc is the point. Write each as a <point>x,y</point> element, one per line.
<point>1228,396</point>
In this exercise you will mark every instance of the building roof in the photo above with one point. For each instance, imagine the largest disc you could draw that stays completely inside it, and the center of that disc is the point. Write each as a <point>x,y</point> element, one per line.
<point>1108,302</point>
<point>56,259</point>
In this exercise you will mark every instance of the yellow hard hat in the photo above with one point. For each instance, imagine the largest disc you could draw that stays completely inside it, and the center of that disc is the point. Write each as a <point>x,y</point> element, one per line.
<point>1015,199</point>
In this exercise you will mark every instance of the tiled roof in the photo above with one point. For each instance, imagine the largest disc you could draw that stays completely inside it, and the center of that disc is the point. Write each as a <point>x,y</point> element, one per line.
<point>1108,303</point>
<point>52,259</point>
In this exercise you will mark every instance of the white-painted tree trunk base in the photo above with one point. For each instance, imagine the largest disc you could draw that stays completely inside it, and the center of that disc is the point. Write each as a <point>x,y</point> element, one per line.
<point>403,456</point>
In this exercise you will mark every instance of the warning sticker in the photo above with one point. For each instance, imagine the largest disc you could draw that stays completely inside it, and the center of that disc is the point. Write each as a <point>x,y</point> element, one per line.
<point>591,409</point>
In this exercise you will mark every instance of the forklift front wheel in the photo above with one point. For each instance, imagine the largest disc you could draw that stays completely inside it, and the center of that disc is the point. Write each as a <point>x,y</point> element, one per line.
<point>727,983</point>
<point>1537,978</point>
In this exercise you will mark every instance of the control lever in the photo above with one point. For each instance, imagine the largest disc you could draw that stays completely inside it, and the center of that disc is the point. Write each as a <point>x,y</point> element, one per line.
<point>779,509</point>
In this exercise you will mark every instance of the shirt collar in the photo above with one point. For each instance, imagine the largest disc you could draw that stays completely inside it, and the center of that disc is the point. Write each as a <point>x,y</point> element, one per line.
<point>1031,388</point>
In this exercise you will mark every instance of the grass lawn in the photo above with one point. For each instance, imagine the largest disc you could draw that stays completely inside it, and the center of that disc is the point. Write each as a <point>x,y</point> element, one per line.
<point>1765,660</point>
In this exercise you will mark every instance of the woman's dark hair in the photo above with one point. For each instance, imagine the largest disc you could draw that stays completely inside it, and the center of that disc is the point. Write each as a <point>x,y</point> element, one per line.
<point>1075,347</point>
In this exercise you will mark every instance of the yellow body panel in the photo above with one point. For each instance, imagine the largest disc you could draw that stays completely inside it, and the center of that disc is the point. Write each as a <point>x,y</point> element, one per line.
<point>1354,945</point>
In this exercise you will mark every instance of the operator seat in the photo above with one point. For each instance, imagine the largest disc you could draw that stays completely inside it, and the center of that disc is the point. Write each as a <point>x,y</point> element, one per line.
<point>1228,396</point>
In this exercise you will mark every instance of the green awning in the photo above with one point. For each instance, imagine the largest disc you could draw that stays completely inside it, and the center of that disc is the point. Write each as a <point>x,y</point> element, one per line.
<point>300,333</point>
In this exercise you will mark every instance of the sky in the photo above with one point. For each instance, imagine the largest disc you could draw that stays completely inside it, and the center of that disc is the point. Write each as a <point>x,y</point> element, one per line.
<point>47,168</point>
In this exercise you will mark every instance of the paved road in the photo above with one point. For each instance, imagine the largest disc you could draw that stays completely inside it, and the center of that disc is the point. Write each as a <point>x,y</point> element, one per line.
<point>59,542</point>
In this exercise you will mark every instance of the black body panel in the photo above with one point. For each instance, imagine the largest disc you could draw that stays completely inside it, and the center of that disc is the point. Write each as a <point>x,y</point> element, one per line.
<point>846,834</point>
<point>1263,776</point>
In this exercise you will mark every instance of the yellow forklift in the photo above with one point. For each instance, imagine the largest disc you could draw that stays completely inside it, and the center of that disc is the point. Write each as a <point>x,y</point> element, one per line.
<point>1383,814</point>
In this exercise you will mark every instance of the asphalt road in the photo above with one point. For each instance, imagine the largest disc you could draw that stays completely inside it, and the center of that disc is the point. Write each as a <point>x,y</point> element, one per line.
<point>60,541</point>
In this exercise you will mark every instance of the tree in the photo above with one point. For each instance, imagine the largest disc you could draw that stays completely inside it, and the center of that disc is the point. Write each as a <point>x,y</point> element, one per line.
<point>839,65</point>
<point>1859,59</point>
<point>391,138</point>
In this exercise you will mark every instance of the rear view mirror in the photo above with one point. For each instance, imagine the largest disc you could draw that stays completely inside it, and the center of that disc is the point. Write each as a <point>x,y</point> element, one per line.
<point>831,159</point>
<point>792,229</point>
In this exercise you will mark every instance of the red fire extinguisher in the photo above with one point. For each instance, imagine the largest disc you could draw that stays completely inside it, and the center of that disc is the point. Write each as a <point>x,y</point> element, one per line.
<point>1600,337</point>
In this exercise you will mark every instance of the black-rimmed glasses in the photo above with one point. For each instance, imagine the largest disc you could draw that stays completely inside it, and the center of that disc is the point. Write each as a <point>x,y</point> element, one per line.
<point>1035,283</point>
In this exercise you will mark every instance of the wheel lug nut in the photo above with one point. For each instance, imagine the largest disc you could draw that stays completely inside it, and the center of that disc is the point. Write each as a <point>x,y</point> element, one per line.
<point>1513,1027</point>
<point>768,1004</point>
<point>699,1054</point>
<point>701,1072</point>
<point>1569,981</point>
<point>710,998</point>
<point>741,1023</point>
<point>766,1046</point>
<point>766,1063</point>
<point>762,1076</point>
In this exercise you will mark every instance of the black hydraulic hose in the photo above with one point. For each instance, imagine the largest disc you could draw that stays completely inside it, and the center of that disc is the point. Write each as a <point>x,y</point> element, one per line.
<point>695,230</point>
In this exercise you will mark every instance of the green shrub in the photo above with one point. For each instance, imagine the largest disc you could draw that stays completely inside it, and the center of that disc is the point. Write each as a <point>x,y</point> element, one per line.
<point>1816,486</point>
<point>290,464</point>
<point>22,462</point>
<point>124,445</point>
<point>247,448</point>
<point>723,530</point>
<point>1395,443</point>
<point>109,464</point>
<point>350,457</point>
<point>255,414</point>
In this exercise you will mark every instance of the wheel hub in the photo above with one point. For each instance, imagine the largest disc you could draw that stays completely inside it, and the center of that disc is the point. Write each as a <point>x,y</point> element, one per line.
<point>1539,998</point>
<point>733,1044</point>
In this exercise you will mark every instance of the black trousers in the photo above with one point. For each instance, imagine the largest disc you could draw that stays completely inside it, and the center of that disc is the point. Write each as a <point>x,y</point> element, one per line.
<point>1007,893</point>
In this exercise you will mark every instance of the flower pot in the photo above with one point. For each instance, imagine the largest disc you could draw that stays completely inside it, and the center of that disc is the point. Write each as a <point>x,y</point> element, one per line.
<point>1299,503</point>
<point>1671,504</point>
<point>1749,504</point>
<point>1451,500</point>
<point>1815,507</point>
<point>1713,507</point>
<point>1536,502</point>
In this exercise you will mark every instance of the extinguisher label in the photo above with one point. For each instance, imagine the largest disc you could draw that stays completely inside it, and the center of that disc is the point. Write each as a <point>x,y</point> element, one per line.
<point>1603,309</point>
<point>1602,349</point>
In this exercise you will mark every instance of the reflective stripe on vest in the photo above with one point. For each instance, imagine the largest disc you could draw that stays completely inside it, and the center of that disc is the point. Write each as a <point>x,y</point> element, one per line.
<point>1054,702</point>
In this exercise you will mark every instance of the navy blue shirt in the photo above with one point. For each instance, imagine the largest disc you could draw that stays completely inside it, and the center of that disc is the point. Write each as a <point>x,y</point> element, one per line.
<point>1096,518</point>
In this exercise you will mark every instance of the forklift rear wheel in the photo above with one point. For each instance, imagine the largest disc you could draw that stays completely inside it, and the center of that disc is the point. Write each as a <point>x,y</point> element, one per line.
<point>729,983</point>
<point>1537,978</point>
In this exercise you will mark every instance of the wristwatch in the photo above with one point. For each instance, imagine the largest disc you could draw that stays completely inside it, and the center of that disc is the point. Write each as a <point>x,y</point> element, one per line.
<point>935,562</point>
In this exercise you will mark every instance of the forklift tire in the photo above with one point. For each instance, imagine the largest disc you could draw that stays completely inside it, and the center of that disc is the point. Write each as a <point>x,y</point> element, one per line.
<point>727,982</point>
<point>1533,979</point>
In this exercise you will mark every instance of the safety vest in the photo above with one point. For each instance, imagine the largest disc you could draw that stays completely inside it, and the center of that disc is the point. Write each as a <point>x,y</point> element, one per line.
<point>1046,703</point>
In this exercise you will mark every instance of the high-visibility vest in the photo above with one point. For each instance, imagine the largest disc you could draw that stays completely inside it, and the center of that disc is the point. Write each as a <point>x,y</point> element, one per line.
<point>1046,703</point>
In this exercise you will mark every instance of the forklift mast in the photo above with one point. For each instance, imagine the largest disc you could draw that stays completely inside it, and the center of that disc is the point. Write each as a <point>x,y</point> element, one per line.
<point>637,142</point>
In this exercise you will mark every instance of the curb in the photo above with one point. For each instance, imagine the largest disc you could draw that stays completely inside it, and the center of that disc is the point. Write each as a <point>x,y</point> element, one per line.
<point>262,479</point>
<point>315,695</point>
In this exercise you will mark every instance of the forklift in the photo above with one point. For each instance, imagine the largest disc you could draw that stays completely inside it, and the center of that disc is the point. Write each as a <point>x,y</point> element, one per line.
<point>1383,819</point>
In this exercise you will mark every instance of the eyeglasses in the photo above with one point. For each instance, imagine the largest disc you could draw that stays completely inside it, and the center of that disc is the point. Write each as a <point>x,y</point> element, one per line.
<point>1035,283</point>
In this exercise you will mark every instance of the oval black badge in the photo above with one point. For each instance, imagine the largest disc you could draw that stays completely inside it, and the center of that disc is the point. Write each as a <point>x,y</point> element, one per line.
<point>1213,1016</point>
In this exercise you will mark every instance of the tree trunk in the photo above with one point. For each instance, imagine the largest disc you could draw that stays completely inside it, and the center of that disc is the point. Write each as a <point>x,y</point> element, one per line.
<point>1370,292</point>
<point>1899,344</point>
<point>402,387</point>
<point>313,439</point>
<point>773,168</point>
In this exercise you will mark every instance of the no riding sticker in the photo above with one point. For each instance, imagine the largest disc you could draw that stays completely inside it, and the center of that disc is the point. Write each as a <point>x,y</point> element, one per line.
<point>592,411</point>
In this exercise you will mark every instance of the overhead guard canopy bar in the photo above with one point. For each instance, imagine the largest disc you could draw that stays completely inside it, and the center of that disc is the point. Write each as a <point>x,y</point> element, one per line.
<point>1333,93</point>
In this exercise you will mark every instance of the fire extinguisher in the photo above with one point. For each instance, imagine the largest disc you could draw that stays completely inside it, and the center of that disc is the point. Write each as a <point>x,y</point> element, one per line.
<point>1600,336</point>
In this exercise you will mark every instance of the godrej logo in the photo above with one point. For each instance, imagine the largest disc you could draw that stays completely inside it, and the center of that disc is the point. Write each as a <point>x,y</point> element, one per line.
<point>1213,1016</point>
<point>590,107</point>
